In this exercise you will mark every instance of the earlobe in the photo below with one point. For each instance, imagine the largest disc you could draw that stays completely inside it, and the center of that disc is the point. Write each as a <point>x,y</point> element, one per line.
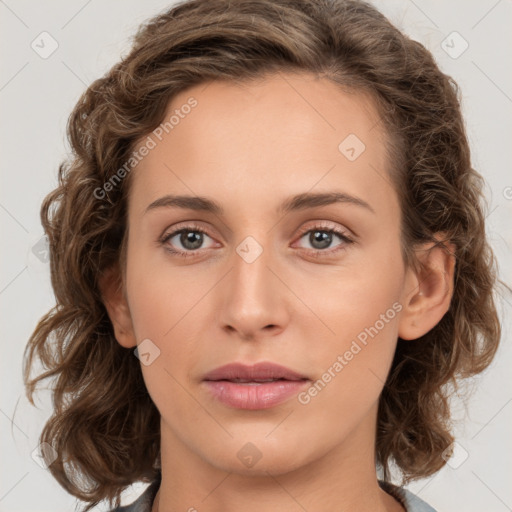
<point>427,294</point>
<point>112,293</point>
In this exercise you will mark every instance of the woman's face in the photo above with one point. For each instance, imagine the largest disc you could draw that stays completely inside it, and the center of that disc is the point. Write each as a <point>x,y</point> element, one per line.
<point>313,285</point>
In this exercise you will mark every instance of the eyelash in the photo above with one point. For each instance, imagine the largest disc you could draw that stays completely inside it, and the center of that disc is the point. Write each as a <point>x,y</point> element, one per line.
<point>316,253</point>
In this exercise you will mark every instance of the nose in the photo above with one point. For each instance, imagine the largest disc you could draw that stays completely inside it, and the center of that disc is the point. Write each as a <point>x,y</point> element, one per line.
<point>255,301</point>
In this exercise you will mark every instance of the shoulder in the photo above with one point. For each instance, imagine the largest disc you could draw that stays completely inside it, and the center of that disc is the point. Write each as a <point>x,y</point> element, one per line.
<point>410,501</point>
<point>144,502</point>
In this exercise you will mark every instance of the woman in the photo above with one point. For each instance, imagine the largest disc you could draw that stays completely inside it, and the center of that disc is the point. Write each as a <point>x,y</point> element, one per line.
<point>272,206</point>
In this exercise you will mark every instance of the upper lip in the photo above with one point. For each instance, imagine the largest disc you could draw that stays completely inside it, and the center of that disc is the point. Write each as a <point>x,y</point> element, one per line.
<point>253,373</point>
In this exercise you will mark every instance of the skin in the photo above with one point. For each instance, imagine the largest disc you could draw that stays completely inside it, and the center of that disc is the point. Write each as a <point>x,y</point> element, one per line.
<point>249,147</point>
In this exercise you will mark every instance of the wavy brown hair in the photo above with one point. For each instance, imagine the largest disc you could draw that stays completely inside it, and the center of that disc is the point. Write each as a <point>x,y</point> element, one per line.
<point>105,427</point>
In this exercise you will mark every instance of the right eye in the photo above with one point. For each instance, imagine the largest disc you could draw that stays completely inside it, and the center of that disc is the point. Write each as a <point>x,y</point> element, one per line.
<point>191,239</point>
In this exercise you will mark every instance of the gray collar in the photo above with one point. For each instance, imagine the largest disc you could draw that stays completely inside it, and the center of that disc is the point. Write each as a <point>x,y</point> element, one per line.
<point>409,501</point>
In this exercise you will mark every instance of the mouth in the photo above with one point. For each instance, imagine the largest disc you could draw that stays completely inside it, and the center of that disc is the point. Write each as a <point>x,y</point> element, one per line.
<point>260,386</point>
<point>259,372</point>
<point>253,381</point>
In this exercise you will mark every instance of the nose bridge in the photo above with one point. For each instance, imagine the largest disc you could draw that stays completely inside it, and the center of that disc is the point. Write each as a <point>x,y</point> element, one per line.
<point>251,274</point>
<point>254,297</point>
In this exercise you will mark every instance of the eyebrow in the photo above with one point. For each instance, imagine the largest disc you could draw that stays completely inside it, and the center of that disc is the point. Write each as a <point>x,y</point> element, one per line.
<point>294,203</point>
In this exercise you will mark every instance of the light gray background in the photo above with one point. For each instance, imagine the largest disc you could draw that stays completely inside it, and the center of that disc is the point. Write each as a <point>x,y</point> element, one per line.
<point>36,97</point>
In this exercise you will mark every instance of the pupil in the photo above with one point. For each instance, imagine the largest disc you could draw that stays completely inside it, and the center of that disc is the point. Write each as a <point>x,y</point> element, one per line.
<point>318,239</point>
<point>322,237</point>
<point>191,239</point>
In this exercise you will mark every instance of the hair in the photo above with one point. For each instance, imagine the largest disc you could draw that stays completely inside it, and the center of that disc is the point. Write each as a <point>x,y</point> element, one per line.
<point>105,428</point>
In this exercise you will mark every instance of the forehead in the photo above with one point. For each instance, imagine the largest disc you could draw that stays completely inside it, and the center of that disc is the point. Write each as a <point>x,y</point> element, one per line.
<point>256,140</point>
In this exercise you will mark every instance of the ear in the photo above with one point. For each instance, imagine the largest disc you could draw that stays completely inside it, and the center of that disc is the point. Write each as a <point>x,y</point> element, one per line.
<point>114,299</point>
<point>427,292</point>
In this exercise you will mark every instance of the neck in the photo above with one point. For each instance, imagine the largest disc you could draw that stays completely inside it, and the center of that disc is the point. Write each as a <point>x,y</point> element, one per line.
<point>341,479</point>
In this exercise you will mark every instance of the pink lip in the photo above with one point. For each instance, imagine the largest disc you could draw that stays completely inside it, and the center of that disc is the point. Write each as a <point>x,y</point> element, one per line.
<point>251,394</point>
<point>258,371</point>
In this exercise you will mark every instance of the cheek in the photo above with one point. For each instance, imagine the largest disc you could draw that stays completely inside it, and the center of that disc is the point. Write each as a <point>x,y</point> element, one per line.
<point>360,308</point>
<point>165,310</point>
<point>354,364</point>
<point>167,306</point>
<point>161,296</point>
<point>347,300</point>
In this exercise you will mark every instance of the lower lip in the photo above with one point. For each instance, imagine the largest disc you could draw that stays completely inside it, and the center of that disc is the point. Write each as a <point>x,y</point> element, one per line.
<point>253,395</point>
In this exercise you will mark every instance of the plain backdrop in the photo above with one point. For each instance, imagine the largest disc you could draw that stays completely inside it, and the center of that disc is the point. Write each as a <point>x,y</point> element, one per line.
<point>471,41</point>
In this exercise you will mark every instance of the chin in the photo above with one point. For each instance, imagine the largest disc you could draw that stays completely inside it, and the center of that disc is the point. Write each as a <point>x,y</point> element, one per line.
<point>257,456</point>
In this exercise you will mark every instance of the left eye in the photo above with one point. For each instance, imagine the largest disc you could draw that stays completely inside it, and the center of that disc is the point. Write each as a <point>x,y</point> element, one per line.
<point>321,239</point>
